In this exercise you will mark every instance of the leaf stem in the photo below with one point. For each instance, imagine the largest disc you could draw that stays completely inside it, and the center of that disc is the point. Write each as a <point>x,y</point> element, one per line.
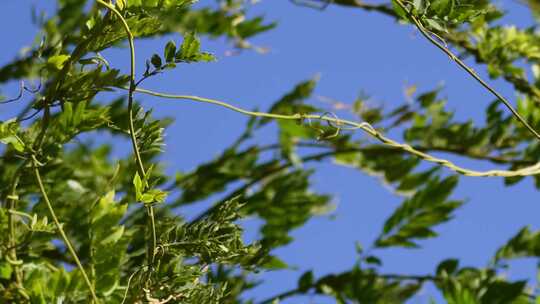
<point>37,175</point>
<point>151,216</point>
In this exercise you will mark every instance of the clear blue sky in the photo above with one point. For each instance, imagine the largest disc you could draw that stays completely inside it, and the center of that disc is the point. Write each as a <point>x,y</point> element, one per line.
<point>353,51</point>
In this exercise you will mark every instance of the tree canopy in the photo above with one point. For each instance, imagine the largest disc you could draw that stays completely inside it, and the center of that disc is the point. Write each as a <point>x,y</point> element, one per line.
<point>80,226</point>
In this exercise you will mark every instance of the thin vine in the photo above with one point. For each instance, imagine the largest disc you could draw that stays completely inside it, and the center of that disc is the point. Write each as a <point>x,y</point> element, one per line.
<point>364,126</point>
<point>440,44</point>
<point>36,146</point>
<point>12,199</point>
<point>138,159</point>
<point>35,165</point>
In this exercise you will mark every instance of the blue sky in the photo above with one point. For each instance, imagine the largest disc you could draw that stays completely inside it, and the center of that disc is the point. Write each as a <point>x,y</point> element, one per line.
<point>354,52</point>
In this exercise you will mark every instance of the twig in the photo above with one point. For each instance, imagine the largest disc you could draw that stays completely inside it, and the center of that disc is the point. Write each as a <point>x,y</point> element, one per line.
<point>37,175</point>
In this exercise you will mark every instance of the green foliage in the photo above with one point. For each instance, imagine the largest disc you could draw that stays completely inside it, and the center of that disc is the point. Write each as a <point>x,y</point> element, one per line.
<point>214,176</point>
<point>8,135</point>
<point>525,244</point>
<point>189,52</point>
<point>440,15</point>
<point>291,103</point>
<point>124,218</point>
<point>469,285</point>
<point>364,286</point>
<point>215,238</point>
<point>167,4</point>
<point>108,243</point>
<point>284,203</point>
<point>415,217</point>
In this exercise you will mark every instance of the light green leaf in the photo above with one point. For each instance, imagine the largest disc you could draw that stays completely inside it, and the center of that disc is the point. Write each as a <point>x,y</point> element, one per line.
<point>114,236</point>
<point>153,196</point>
<point>190,50</point>
<point>190,46</point>
<point>5,270</point>
<point>139,188</point>
<point>8,135</point>
<point>58,61</point>
<point>121,4</point>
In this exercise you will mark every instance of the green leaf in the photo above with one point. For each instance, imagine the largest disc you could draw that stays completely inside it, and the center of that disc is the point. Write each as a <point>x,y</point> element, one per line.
<point>214,238</point>
<point>156,61</point>
<point>413,181</point>
<point>66,118</point>
<point>373,260</point>
<point>524,244</point>
<point>212,177</point>
<point>58,61</point>
<point>121,4</point>
<point>284,202</point>
<point>170,51</point>
<point>115,234</point>
<point>305,282</point>
<point>417,215</point>
<point>153,196</point>
<point>399,11</point>
<point>14,141</point>
<point>293,102</point>
<point>157,4</point>
<point>501,292</point>
<point>5,270</point>
<point>274,263</point>
<point>190,46</point>
<point>141,26</point>
<point>366,286</point>
<point>8,135</point>
<point>447,267</point>
<point>139,187</point>
<point>109,242</point>
<point>190,50</point>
